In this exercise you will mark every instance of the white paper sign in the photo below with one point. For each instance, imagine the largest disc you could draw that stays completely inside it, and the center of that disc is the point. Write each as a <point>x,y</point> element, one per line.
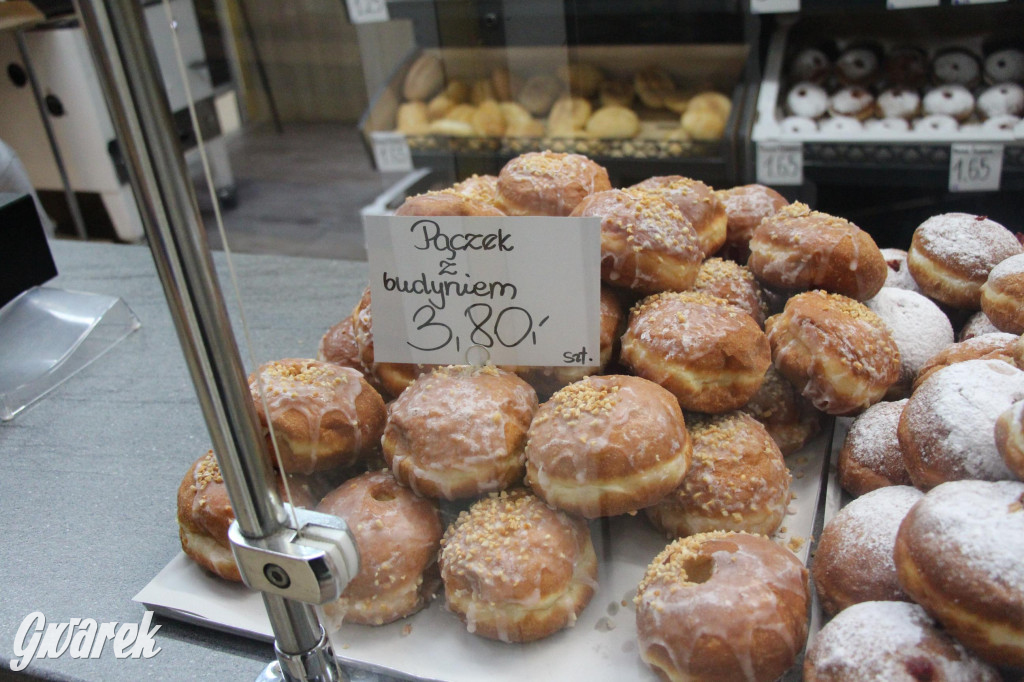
<point>975,167</point>
<point>976,2</point>
<point>774,6</point>
<point>367,11</point>
<point>512,291</point>
<point>391,152</point>
<point>907,4</point>
<point>780,163</point>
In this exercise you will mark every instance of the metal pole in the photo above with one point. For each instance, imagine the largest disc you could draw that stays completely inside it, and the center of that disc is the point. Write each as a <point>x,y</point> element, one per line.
<point>128,70</point>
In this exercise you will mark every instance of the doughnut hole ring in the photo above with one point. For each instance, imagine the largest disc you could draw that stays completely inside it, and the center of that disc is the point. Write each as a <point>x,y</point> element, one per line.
<point>737,481</point>
<point>799,249</point>
<point>324,416</point>
<point>1002,295</point>
<point>516,570</point>
<point>647,245</point>
<point>837,353</point>
<point>1010,438</point>
<point>693,625</point>
<point>398,535</point>
<point>958,554</point>
<point>607,445</point>
<point>548,183</point>
<point>710,354</point>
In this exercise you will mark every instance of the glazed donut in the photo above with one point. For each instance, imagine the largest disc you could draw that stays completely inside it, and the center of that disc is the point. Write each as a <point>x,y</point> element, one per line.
<point>958,555</point>
<point>547,380</point>
<point>711,355</point>
<point>946,429</point>
<point>548,183</point>
<point>445,203</point>
<point>1005,99</point>
<point>737,481</point>
<point>899,274</point>
<point>516,570</point>
<point>853,561</point>
<point>481,188</point>
<point>698,203</point>
<point>906,66</point>
<point>1002,295</point>
<point>724,607</point>
<point>898,103</point>
<point>892,641</point>
<point>976,325</point>
<point>320,416</point>
<point>1010,438</point>
<point>338,345</point>
<point>800,249</point>
<point>392,377</point>
<point>993,346</point>
<point>459,431</point>
<point>852,101</point>
<point>951,255</point>
<point>949,100</point>
<point>919,328</point>
<point>735,284</point>
<point>398,535</point>
<point>790,418</point>
<point>205,514</point>
<point>956,66</point>
<point>870,457</point>
<point>838,353</point>
<point>1005,65</point>
<point>647,244</point>
<point>745,207</point>
<point>607,445</point>
<point>858,65</point>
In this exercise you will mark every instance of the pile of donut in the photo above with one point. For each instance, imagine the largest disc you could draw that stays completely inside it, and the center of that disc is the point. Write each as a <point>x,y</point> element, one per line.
<point>579,100</point>
<point>866,87</point>
<point>482,480</point>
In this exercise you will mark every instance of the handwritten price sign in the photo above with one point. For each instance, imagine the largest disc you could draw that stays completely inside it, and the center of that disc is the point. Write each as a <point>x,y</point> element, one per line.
<point>367,11</point>
<point>780,163</point>
<point>975,167</point>
<point>515,291</point>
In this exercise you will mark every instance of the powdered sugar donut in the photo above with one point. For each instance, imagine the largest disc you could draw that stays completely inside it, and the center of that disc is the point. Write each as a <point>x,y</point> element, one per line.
<point>1010,438</point>
<point>899,274</point>
<point>936,123</point>
<point>956,66</point>
<point>891,641</point>
<point>918,326</point>
<point>901,103</point>
<point>952,254</point>
<point>950,100</point>
<point>1005,123</point>
<point>871,457</point>
<point>946,428</point>
<point>807,100</point>
<point>1005,65</point>
<point>992,346</point>
<point>852,101</point>
<point>958,554</point>
<point>853,562</point>
<point>841,126</point>
<point>976,325</point>
<point>1002,99</point>
<point>798,125</point>
<point>887,125</point>
<point>1002,295</point>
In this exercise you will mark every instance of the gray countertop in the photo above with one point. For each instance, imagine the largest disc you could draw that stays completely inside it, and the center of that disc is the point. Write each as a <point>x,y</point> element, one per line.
<point>92,470</point>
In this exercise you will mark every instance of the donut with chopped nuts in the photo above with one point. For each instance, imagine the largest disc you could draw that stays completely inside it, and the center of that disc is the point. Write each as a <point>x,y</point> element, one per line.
<point>853,560</point>
<point>737,480</point>
<point>745,207</point>
<point>482,188</point>
<point>735,283</point>
<point>447,202</point>
<point>790,418</point>
<point>698,203</point>
<point>729,607</point>
<point>398,534</point>
<point>319,416</point>
<point>607,445</point>
<point>647,245</point>
<point>548,183</point>
<point>839,354</point>
<point>205,514</point>
<point>516,570</point>
<point>951,256</point>
<point>958,553</point>
<point>459,431</point>
<point>710,354</point>
<point>799,249</point>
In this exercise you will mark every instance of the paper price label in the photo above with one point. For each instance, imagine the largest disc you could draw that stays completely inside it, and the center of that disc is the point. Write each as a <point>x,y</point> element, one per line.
<point>512,291</point>
<point>367,11</point>
<point>774,6</point>
<point>907,4</point>
<point>391,152</point>
<point>975,167</point>
<point>780,163</point>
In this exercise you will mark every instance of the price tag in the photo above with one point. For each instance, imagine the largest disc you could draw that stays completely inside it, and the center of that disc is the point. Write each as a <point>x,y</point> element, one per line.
<point>367,11</point>
<point>907,4</point>
<point>514,291</point>
<point>976,2</point>
<point>391,152</point>
<point>780,163</point>
<point>975,167</point>
<point>774,6</point>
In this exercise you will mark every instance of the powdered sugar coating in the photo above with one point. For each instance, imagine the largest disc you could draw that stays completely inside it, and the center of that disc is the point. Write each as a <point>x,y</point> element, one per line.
<point>899,103</point>
<point>918,326</point>
<point>871,455</point>
<point>1002,100</point>
<point>887,641</point>
<point>977,325</point>
<point>899,274</point>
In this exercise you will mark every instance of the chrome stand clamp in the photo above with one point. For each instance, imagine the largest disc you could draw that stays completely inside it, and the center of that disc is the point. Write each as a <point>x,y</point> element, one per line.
<point>317,665</point>
<point>312,563</point>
